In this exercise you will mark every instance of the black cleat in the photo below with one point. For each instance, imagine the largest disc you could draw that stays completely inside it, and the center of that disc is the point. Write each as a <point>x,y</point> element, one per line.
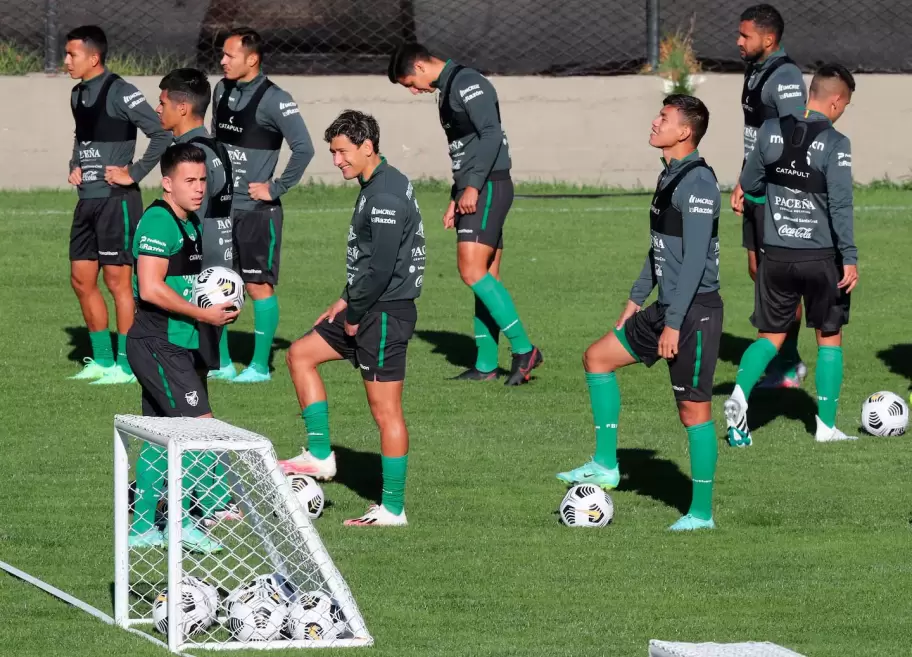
<point>523,364</point>
<point>475,374</point>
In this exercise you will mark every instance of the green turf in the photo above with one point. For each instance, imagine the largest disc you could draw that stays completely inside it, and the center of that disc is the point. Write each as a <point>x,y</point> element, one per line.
<point>812,546</point>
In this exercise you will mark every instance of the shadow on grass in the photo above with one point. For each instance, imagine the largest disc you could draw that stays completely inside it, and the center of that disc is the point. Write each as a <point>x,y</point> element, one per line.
<point>764,406</point>
<point>360,472</point>
<point>898,360</point>
<point>662,480</point>
<point>457,348</point>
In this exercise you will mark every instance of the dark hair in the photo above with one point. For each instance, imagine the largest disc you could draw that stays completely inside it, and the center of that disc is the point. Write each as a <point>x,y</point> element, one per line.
<point>93,37</point>
<point>188,85</point>
<point>357,126</point>
<point>251,40</point>
<point>177,154</point>
<point>402,61</point>
<point>832,72</point>
<point>695,113</point>
<point>767,18</point>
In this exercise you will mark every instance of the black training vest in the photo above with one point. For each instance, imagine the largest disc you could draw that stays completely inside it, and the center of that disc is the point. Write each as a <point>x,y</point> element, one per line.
<point>664,218</point>
<point>793,169</point>
<point>755,112</point>
<point>93,123</point>
<point>219,205</point>
<point>456,124</point>
<point>240,128</point>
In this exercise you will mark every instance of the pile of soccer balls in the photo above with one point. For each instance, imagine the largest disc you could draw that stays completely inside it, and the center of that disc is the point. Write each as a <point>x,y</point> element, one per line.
<point>265,609</point>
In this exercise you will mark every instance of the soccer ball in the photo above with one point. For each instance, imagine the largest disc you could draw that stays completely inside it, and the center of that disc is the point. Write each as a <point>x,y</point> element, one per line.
<point>257,614</point>
<point>309,494</point>
<point>586,505</point>
<point>218,285</point>
<point>197,612</point>
<point>269,585</point>
<point>315,616</point>
<point>885,414</point>
<point>212,594</point>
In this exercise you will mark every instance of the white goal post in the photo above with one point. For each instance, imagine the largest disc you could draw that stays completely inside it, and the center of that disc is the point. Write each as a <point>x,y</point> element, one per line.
<point>273,537</point>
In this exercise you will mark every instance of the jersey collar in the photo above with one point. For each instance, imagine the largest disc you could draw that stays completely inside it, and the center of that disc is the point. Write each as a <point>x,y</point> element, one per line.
<point>444,74</point>
<point>254,82</point>
<point>199,131</point>
<point>676,164</point>
<point>380,167</point>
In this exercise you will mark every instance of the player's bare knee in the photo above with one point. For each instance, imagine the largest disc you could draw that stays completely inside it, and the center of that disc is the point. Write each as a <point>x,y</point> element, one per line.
<point>83,285</point>
<point>471,274</point>
<point>298,357</point>
<point>694,413</point>
<point>597,360</point>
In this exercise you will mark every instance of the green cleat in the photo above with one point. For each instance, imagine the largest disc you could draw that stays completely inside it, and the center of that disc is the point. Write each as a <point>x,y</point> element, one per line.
<point>113,376</point>
<point>252,375</point>
<point>690,523</point>
<point>152,538</point>
<point>196,540</point>
<point>227,373</point>
<point>592,473</point>
<point>91,370</point>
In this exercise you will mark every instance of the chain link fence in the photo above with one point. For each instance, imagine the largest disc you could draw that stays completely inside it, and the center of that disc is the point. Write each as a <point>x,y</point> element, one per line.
<point>519,37</point>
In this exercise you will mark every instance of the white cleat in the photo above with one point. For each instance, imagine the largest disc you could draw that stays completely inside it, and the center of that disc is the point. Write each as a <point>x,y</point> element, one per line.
<point>378,516</point>
<point>307,464</point>
<point>736,418</point>
<point>827,434</point>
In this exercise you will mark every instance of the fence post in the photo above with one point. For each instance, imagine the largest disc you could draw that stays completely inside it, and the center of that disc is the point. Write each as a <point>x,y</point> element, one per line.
<point>652,33</point>
<point>50,37</point>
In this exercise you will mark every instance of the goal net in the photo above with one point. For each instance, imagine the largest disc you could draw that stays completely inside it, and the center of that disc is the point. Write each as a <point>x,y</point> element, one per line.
<point>261,579</point>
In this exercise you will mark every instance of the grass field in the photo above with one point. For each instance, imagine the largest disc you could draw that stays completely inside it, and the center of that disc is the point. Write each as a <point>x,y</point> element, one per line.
<point>812,545</point>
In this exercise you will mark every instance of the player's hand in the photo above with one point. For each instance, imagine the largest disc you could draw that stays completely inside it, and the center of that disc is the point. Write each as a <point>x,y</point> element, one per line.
<point>468,202</point>
<point>118,176</point>
<point>351,330</point>
<point>629,311</point>
<point>849,278</point>
<point>737,200</point>
<point>219,315</point>
<point>668,343</point>
<point>331,312</point>
<point>449,217</point>
<point>259,191</point>
<point>75,176</point>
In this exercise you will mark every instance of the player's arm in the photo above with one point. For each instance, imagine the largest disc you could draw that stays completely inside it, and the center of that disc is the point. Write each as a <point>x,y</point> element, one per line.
<point>151,272</point>
<point>840,200</point>
<point>282,114</point>
<point>138,112</point>
<point>386,236</point>
<point>478,97</point>
<point>644,284</point>
<point>753,174</point>
<point>216,99</point>
<point>785,90</point>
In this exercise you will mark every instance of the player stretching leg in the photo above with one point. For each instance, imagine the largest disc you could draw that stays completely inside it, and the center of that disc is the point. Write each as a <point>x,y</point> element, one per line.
<point>375,318</point>
<point>773,87</point>
<point>481,198</point>
<point>161,343</point>
<point>808,242</point>
<point>684,326</point>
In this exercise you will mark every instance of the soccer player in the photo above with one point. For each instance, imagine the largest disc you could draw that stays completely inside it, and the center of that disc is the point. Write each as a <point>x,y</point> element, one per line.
<point>684,325</point>
<point>805,166</point>
<point>371,324</point>
<point>773,87</point>
<point>251,117</point>
<point>107,111</point>
<point>161,343</point>
<point>481,197</point>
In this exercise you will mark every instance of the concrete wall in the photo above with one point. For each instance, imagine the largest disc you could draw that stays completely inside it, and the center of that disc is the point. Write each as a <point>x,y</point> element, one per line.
<point>586,130</point>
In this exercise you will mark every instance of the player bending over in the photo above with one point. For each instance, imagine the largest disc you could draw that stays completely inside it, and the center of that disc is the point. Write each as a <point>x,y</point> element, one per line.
<point>684,325</point>
<point>375,318</point>
<point>161,343</point>
<point>805,165</point>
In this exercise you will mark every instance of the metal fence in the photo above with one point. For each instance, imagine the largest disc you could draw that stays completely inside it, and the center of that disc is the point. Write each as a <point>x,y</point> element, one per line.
<point>518,37</point>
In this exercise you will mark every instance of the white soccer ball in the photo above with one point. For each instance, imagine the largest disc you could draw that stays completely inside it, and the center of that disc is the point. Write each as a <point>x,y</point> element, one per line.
<point>268,585</point>
<point>315,616</point>
<point>257,614</point>
<point>309,494</point>
<point>885,414</point>
<point>197,612</point>
<point>218,285</point>
<point>212,594</point>
<point>586,505</point>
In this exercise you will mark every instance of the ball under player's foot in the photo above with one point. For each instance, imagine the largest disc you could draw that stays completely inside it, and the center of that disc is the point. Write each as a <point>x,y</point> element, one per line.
<point>227,373</point>
<point>196,540</point>
<point>114,376</point>
<point>231,513</point>
<point>152,538</point>
<point>736,418</point>
<point>592,473</point>
<point>378,516</point>
<point>475,374</point>
<point>523,364</point>
<point>827,434</point>
<point>252,375</point>
<point>90,371</point>
<point>690,523</point>
<point>308,464</point>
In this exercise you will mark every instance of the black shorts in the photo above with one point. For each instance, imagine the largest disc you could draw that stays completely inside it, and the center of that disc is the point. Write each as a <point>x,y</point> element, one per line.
<point>103,228</point>
<point>487,223</point>
<point>257,243</point>
<point>692,370</point>
<point>379,348</point>
<point>782,285</point>
<point>209,337</point>
<point>752,225</point>
<point>170,378</point>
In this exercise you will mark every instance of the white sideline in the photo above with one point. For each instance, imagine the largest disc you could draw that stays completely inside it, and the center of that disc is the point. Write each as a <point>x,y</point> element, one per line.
<point>79,604</point>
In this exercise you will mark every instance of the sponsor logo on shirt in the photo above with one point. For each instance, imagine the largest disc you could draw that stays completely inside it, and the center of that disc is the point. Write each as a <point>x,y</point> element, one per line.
<point>843,160</point>
<point>89,154</point>
<point>794,203</point>
<point>803,233</point>
<point>470,92</point>
<point>776,139</point>
<point>701,201</point>
<point>792,171</point>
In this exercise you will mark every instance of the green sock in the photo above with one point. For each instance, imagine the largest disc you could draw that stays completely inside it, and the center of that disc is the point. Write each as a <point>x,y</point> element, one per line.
<point>150,481</point>
<point>605,398</point>
<point>316,423</point>
<point>102,353</point>
<point>753,364</point>
<point>265,323</point>
<point>829,381</point>
<point>224,356</point>
<point>486,334</point>
<point>704,450</point>
<point>495,296</point>
<point>211,489</point>
<point>393,495</point>
<point>122,353</point>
